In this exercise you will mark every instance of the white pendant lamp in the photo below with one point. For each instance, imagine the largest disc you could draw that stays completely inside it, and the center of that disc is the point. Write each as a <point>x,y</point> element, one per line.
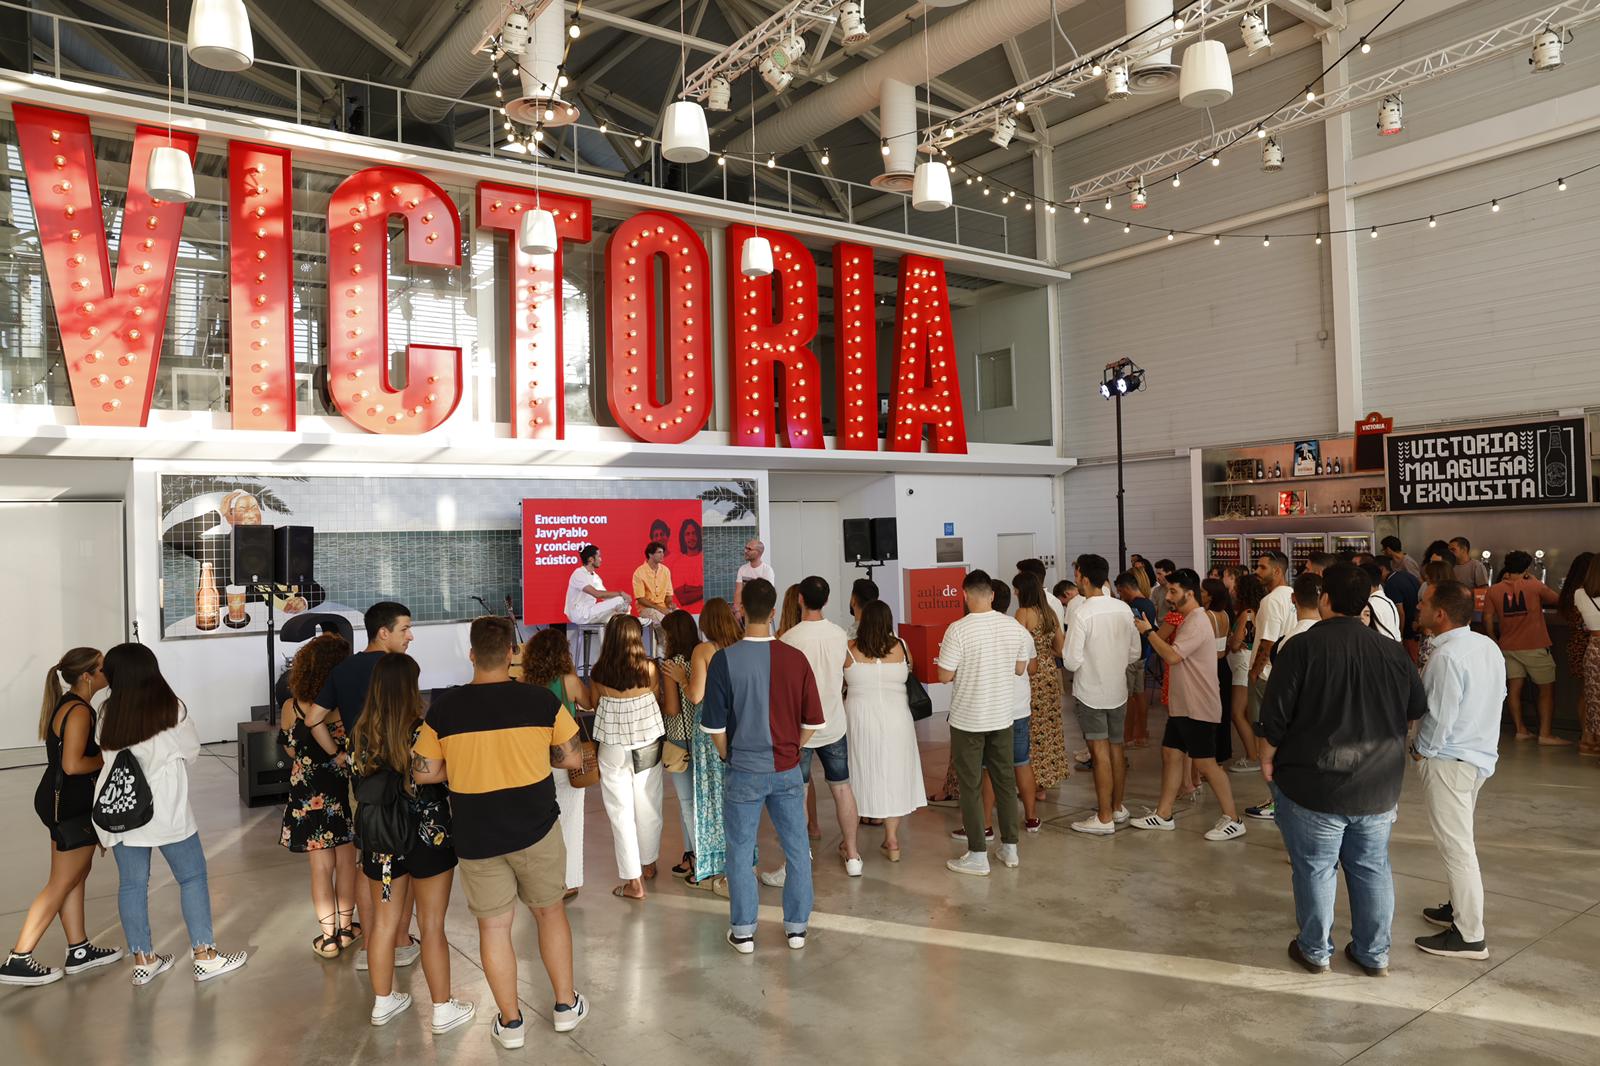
<point>170,177</point>
<point>219,35</point>
<point>755,261</point>
<point>931,189</point>
<point>684,138</point>
<point>1206,79</point>
<point>536,232</point>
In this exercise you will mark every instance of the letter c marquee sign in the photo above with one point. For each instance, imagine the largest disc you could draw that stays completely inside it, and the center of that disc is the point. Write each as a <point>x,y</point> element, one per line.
<point>659,378</point>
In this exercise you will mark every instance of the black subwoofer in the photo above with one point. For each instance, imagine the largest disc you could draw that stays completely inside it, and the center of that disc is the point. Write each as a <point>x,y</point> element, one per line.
<point>263,765</point>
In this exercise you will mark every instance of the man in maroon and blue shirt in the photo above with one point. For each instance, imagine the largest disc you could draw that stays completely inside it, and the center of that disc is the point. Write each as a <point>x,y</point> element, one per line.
<point>761,707</point>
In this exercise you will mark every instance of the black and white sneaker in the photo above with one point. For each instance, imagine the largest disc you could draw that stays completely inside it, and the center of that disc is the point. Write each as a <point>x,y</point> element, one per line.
<point>220,963</point>
<point>145,972</point>
<point>87,956</point>
<point>1451,945</point>
<point>744,945</point>
<point>568,1016</point>
<point>796,940</point>
<point>1444,915</point>
<point>27,970</point>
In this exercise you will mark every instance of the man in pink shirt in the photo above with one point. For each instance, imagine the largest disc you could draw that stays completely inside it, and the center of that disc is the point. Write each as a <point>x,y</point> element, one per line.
<point>1194,708</point>
<point>1513,614</point>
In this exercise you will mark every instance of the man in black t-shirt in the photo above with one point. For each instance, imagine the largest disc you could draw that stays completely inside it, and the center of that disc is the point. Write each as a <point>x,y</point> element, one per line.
<point>345,693</point>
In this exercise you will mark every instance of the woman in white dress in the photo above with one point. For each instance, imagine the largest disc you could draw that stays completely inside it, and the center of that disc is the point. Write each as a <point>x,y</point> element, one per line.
<point>885,765</point>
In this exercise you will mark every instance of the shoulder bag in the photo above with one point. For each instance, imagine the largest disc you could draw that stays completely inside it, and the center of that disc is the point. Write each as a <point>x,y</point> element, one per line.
<point>75,832</point>
<point>590,774</point>
<point>917,697</point>
<point>385,823</point>
<point>125,802</point>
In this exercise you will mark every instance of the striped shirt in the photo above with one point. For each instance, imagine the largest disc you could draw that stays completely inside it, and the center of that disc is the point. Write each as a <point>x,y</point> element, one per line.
<point>762,694</point>
<point>628,721</point>
<point>984,649</point>
<point>495,740</point>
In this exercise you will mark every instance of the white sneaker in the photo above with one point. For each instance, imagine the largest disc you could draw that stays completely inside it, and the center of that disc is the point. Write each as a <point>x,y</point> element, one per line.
<point>409,954</point>
<point>796,940</point>
<point>1119,816</point>
<point>452,1013</point>
<point>1094,826</point>
<point>386,1009</point>
<point>744,945</point>
<point>1226,829</point>
<point>1008,856</point>
<point>975,863</point>
<point>775,878</point>
<point>219,964</point>
<point>1154,821</point>
<point>571,1015</point>
<point>509,1037</point>
<point>854,867</point>
<point>145,972</point>
<point>1243,766</point>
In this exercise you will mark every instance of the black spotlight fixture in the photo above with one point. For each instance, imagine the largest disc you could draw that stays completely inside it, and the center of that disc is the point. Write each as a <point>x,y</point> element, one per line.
<point>1118,380</point>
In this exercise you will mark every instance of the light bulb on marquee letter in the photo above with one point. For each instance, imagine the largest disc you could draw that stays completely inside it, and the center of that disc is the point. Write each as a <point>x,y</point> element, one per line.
<point>261,304</point>
<point>538,404</point>
<point>855,348</point>
<point>100,322</point>
<point>765,350</point>
<point>358,299</point>
<point>648,242</point>
<point>927,386</point>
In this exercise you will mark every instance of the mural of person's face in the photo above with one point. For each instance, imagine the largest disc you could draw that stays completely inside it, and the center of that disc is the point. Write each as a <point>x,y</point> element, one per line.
<point>659,533</point>
<point>691,537</point>
<point>241,509</point>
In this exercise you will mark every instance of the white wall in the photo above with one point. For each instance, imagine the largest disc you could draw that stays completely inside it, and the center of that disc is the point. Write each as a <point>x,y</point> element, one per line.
<point>1157,505</point>
<point>1021,323</point>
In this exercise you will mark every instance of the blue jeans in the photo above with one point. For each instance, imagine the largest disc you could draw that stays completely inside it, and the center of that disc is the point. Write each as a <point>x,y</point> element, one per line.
<point>784,797</point>
<point>683,785</point>
<point>835,761</point>
<point>187,861</point>
<point>1318,844</point>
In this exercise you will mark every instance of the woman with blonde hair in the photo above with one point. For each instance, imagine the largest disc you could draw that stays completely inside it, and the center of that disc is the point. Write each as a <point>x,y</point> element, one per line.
<point>317,816</point>
<point>62,802</point>
<point>1048,742</point>
<point>390,720</point>
<point>628,729</point>
<point>710,842</point>
<point>547,663</point>
<point>790,615</point>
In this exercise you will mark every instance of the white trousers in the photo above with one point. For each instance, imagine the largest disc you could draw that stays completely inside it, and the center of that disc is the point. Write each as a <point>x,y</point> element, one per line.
<point>1450,790</point>
<point>571,801</point>
<point>633,804</point>
<point>589,611</point>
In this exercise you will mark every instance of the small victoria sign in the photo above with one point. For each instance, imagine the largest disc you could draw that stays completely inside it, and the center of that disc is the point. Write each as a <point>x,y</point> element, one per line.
<point>1528,464</point>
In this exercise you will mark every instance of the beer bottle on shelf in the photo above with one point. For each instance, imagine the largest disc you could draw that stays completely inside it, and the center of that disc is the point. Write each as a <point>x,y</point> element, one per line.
<point>1319,466</point>
<point>1277,469</point>
<point>1338,467</point>
<point>1261,470</point>
<point>207,603</point>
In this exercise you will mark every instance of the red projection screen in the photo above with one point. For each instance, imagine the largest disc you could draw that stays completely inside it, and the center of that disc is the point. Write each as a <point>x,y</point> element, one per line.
<point>555,530</point>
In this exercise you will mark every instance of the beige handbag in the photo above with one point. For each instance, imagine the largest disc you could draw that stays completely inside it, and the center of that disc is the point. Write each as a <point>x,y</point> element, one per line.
<point>590,774</point>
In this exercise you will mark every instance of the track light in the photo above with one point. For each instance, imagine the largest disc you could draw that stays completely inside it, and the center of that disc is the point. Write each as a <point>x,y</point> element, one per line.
<point>1253,27</point>
<point>719,94</point>
<point>1117,82</point>
<point>1005,128</point>
<point>1547,44</point>
<point>1105,390</point>
<point>776,77</point>
<point>1139,200</point>
<point>1271,156</point>
<point>853,21</point>
<point>1390,116</point>
<point>1120,379</point>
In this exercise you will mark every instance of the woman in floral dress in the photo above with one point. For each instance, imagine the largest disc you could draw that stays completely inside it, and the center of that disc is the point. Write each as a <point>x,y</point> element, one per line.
<point>1049,743</point>
<point>317,818</point>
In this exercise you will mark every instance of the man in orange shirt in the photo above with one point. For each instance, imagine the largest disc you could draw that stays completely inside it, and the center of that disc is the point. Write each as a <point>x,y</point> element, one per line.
<point>652,585</point>
<point>1513,614</point>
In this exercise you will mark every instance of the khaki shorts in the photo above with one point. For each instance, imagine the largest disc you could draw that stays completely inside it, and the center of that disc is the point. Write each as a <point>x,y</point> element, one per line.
<point>1536,663</point>
<point>537,875</point>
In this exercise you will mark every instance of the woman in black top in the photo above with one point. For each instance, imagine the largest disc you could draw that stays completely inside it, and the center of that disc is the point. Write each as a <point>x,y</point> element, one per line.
<point>62,801</point>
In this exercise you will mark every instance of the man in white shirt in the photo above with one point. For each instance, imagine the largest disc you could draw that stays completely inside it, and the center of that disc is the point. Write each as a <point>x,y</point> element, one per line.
<point>1307,600</point>
<point>1274,618</point>
<point>1021,739</point>
<point>1101,645</point>
<point>1456,747</point>
<point>982,653</point>
<point>753,568</point>
<point>1386,616</point>
<point>825,648</point>
<point>589,602</point>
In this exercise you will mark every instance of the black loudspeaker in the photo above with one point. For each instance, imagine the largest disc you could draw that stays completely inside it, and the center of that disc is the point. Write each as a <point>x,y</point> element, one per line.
<point>252,555</point>
<point>292,555</point>
<point>885,542</point>
<point>263,766</point>
<point>857,540</point>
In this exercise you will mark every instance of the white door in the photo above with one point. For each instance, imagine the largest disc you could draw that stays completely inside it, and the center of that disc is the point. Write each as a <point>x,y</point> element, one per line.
<point>784,545</point>
<point>808,539</point>
<point>1011,548</point>
<point>62,565</point>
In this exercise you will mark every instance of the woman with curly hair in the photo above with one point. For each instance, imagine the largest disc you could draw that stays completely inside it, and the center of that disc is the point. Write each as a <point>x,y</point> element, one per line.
<point>547,663</point>
<point>317,818</point>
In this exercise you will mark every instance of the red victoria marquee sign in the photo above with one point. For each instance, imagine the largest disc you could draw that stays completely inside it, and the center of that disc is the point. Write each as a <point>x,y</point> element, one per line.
<point>111,326</point>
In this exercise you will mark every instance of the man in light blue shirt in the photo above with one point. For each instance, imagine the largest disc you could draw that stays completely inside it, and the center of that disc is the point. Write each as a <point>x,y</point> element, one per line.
<point>1456,748</point>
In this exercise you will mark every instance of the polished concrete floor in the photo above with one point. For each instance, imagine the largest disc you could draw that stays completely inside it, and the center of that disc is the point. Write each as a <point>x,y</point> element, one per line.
<point>1140,948</point>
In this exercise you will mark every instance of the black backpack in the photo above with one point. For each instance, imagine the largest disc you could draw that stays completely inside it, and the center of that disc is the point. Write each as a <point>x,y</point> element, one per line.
<point>384,822</point>
<point>124,803</point>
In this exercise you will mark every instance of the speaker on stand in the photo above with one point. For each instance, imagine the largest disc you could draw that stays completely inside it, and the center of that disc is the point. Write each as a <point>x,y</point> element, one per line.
<point>857,540</point>
<point>885,541</point>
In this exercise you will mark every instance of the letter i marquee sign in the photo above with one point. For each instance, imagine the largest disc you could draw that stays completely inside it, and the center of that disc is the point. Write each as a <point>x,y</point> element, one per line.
<point>660,381</point>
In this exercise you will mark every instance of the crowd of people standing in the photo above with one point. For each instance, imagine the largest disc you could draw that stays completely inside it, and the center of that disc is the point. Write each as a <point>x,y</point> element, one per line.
<point>1329,681</point>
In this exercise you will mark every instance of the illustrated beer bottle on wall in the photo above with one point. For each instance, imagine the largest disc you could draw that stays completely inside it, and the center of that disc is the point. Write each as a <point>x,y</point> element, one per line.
<point>207,603</point>
<point>1555,462</point>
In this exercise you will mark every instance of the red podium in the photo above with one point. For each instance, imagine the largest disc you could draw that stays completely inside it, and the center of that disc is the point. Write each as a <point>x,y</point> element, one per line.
<point>933,600</point>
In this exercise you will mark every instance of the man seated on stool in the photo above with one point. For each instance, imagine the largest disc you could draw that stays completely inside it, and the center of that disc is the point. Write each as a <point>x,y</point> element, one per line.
<point>652,585</point>
<point>589,602</point>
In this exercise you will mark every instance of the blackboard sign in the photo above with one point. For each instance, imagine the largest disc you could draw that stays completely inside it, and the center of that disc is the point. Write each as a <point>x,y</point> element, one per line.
<point>1525,465</point>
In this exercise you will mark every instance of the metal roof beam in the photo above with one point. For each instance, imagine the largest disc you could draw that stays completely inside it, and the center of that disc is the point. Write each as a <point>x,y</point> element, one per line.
<point>370,31</point>
<point>1306,11</point>
<point>288,47</point>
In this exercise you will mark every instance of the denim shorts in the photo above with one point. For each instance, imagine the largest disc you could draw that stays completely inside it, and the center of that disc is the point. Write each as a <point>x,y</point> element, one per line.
<point>835,761</point>
<point>1101,723</point>
<point>1021,741</point>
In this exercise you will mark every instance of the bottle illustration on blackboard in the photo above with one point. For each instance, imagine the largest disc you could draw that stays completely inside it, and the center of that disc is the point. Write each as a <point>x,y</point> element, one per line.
<point>207,603</point>
<point>1555,462</point>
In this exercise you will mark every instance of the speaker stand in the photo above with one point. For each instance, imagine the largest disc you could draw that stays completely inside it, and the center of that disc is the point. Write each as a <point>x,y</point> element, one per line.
<point>869,568</point>
<point>272,647</point>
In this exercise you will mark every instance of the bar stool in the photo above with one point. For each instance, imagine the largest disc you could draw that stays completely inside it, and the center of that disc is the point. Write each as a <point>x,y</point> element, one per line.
<point>579,636</point>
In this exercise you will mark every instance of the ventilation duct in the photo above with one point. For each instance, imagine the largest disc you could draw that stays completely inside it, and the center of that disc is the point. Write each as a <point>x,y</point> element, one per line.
<point>897,124</point>
<point>1155,71</point>
<point>540,67</point>
<point>454,67</point>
